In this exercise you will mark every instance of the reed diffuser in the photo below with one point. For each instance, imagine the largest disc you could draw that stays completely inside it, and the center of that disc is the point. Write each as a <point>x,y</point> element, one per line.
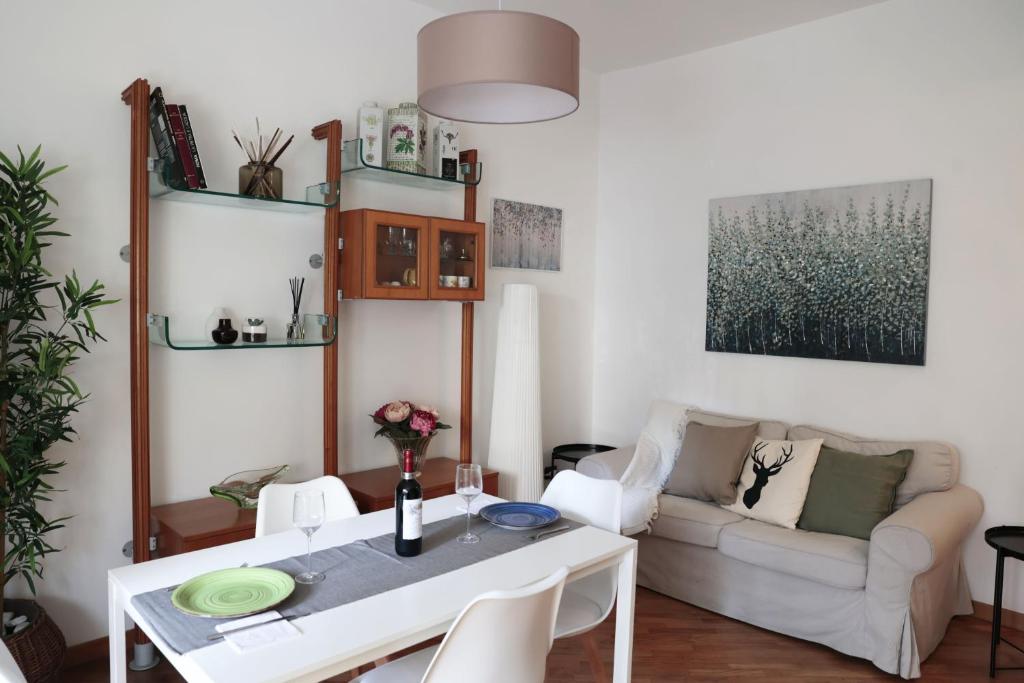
<point>260,177</point>
<point>296,330</point>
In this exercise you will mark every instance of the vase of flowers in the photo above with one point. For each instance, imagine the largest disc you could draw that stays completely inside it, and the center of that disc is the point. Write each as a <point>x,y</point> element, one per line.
<point>408,427</point>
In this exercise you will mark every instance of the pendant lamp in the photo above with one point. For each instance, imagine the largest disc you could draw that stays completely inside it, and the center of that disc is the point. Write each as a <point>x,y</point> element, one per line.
<point>497,66</point>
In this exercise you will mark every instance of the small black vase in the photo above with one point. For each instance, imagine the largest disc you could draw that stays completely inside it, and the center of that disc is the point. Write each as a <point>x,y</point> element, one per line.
<point>224,334</point>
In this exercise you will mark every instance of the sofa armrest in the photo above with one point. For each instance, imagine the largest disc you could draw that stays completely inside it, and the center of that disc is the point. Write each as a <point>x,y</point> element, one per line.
<point>928,529</point>
<point>607,465</point>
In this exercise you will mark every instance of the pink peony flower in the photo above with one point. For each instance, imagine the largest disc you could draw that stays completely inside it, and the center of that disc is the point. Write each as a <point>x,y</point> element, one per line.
<point>423,422</point>
<point>379,413</point>
<point>396,411</point>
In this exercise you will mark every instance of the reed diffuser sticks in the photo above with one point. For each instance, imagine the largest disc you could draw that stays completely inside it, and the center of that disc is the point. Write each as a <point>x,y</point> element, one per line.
<point>296,330</point>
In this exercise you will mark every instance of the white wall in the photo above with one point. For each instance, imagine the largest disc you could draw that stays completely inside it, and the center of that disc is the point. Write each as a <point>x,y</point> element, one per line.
<point>904,89</point>
<point>214,414</point>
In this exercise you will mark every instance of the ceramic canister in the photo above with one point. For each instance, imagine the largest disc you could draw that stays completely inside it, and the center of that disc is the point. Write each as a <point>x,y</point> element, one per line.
<point>371,133</point>
<point>407,138</point>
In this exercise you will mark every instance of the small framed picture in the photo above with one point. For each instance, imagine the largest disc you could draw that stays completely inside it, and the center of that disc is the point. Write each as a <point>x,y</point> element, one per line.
<point>525,236</point>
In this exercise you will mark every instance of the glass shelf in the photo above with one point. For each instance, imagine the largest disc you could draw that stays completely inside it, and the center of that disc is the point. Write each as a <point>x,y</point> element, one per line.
<point>159,334</point>
<point>318,197</point>
<point>352,162</point>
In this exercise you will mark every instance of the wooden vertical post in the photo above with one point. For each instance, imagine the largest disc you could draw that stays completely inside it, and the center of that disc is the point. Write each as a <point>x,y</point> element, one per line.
<point>136,96</point>
<point>331,132</point>
<point>466,414</point>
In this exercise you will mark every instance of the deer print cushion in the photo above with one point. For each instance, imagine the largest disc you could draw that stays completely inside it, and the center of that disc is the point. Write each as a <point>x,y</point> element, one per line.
<point>774,480</point>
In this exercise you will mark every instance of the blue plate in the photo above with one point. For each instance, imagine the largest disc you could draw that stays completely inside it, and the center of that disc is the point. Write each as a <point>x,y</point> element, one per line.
<point>520,516</point>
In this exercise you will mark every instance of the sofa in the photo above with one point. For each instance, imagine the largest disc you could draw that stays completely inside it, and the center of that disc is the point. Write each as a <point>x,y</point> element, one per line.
<point>888,599</point>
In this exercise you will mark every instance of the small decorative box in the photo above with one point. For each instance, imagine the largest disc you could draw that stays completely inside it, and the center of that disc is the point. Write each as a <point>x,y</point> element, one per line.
<point>446,150</point>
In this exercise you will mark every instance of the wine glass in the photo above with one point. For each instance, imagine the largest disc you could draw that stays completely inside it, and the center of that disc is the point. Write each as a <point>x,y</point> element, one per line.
<point>469,483</point>
<point>307,516</point>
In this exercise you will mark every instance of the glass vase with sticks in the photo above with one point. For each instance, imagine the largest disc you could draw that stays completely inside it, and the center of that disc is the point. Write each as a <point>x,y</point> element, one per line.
<point>296,331</point>
<point>260,177</point>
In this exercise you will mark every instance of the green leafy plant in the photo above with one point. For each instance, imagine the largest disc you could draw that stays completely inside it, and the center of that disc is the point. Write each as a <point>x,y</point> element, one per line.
<point>45,324</point>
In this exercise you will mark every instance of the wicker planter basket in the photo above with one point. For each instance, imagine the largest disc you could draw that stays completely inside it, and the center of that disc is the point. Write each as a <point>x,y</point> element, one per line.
<point>39,649</point>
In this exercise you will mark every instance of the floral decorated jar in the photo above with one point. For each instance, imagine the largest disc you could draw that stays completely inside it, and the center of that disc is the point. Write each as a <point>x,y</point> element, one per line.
<point>407,138</point>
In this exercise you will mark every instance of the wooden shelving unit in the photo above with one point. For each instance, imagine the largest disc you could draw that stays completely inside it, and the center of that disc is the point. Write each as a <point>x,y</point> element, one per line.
<point>202,519</point>
<point>146,183</point>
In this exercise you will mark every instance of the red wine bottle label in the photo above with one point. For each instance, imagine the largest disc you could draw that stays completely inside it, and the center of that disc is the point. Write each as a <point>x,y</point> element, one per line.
<point>412,519</point>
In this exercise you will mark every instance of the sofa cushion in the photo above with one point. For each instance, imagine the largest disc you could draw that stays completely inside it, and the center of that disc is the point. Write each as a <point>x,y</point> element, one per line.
<point>766,429</point>
<point>935,467</point>
<point>691,521</point>
<point>709,462</point>
<point>774,480</point>
<point>851,493</point>
<point>838,561</point>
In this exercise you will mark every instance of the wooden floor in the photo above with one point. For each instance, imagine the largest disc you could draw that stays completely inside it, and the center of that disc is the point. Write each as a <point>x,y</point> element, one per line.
<point>677,642</point>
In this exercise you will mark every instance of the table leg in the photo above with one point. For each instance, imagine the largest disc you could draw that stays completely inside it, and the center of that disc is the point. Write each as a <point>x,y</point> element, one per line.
<point>116,635</point>
<point>997,613</point>
<point>624,606</point>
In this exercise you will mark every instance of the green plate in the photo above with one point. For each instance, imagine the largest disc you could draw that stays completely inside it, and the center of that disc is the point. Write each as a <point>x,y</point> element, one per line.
<point>235,592</point>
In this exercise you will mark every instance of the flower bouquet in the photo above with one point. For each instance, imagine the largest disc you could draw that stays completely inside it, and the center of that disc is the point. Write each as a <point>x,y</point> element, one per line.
<point>408,427</point>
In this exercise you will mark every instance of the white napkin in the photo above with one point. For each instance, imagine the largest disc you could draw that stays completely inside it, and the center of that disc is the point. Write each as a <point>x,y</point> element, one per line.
<point>252,638</point>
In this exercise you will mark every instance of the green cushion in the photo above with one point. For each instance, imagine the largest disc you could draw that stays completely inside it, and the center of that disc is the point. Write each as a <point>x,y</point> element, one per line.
<point>851,493</point>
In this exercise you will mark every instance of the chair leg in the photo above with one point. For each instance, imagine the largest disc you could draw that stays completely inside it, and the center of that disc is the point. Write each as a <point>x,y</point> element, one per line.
<point>594,657</point>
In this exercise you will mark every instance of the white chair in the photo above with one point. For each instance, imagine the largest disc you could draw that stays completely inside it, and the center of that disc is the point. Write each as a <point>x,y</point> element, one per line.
<point>588,601</point>
<point>9,671</point>
<point>274,509</point>
<point>500,637</point>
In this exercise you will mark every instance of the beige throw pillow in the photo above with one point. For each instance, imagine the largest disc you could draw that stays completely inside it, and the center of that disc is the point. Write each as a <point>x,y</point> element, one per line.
<point>709,463</point>
<point>774,481</point>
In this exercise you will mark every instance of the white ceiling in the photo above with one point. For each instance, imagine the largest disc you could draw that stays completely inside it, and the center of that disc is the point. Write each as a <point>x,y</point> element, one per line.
<point>618,34</point>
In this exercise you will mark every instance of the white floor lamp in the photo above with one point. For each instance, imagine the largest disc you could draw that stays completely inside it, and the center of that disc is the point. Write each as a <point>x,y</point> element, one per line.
<point>516,450</point>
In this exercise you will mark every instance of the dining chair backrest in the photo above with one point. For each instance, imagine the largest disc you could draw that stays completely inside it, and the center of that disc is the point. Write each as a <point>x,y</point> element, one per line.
<point>597,502</point>
<point>274,509</point>
<point>501,636</point>
<point>9,671</point>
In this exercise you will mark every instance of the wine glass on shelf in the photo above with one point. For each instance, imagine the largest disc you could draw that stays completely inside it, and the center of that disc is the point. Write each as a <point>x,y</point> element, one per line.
<point>308,516</point>
<point>469,483</point>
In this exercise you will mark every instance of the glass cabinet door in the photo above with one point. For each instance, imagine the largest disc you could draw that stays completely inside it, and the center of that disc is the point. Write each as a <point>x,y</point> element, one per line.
<point>396,256</point>
<point>457,260</point>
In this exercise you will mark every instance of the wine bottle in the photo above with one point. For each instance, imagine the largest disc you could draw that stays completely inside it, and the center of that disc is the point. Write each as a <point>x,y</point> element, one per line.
<point>408,510</point>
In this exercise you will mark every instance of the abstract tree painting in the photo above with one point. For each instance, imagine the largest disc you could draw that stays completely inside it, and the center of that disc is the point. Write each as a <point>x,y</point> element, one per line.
<point>526,236</point>
<point>838,273</point>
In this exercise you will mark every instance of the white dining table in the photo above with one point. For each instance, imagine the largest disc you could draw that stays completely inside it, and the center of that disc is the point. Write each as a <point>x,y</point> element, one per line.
<point>345,637</point>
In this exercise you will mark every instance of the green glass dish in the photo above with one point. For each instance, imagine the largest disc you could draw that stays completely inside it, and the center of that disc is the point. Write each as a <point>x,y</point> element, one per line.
<point>237,592</point>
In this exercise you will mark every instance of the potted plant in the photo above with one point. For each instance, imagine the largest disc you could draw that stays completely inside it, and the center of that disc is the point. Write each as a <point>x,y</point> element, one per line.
<point>408,427</point>
<point>45,324</point>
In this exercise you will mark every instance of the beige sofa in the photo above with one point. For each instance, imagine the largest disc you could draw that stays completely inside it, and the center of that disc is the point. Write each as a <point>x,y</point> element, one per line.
<point>888,600</point>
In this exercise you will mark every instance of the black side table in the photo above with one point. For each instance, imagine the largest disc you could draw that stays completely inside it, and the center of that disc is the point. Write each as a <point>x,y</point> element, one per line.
<point>1008,542</point>
<point>573,453</point>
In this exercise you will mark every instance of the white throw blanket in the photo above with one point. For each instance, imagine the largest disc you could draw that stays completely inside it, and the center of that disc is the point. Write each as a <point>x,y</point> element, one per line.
<point>652,463</point>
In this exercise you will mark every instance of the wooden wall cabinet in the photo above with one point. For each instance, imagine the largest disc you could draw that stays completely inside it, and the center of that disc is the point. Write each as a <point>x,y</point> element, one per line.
<point>390,255</point>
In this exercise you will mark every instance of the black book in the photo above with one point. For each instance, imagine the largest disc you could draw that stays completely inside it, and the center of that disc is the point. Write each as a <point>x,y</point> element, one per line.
<point>160,126</point>
<point>191,139</point>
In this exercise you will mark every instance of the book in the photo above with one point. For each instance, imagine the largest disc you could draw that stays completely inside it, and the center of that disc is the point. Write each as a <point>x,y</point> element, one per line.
<point>178,131</point>
<point>166,149</point>
<point>191,139</point>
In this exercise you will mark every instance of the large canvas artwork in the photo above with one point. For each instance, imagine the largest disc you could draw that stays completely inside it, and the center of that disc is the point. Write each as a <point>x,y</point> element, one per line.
<point>838,273</point>
<point>526,236</point>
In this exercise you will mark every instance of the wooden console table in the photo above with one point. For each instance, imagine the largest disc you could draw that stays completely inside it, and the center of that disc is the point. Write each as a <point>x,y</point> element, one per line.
<point>207,522</point>
<point>375,489</point>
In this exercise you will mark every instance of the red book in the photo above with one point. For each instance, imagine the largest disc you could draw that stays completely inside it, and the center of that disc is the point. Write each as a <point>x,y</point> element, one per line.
<point>184,151</point>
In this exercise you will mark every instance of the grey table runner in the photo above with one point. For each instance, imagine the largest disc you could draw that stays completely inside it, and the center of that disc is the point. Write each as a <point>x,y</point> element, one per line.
<point>354,571</point>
